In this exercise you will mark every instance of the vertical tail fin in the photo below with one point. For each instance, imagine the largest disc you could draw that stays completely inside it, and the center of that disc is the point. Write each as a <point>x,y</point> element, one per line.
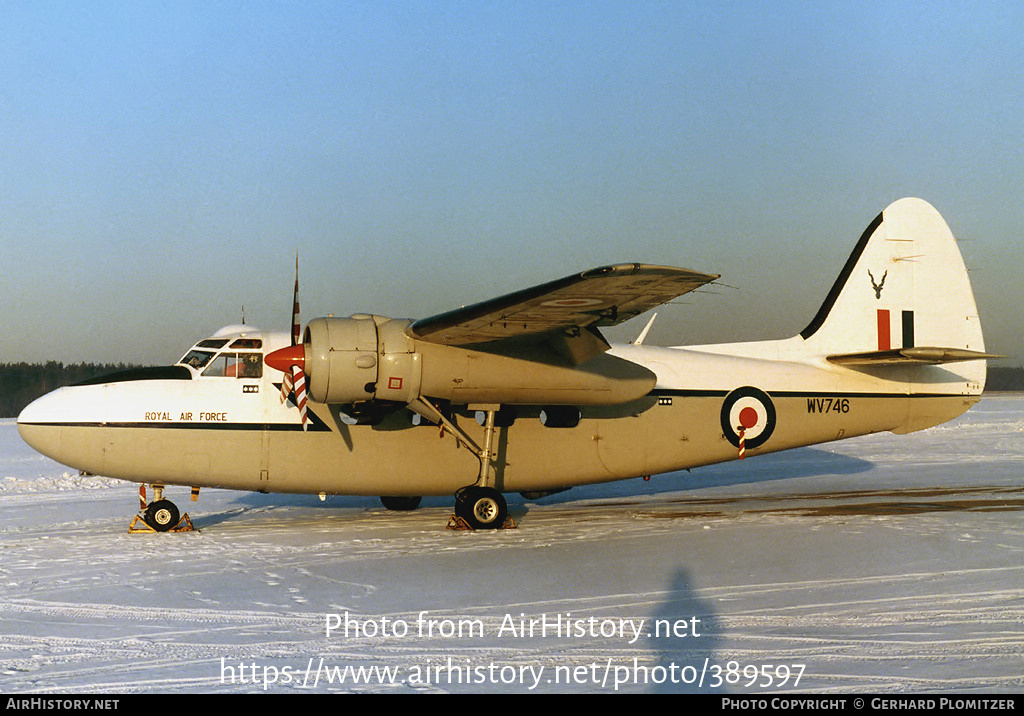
<point>902,297</point>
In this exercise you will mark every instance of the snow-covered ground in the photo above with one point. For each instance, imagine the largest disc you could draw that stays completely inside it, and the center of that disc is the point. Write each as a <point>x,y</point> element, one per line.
<point>883,564</point>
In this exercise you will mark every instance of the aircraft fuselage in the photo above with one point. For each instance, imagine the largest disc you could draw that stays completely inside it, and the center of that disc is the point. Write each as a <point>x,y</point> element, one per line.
<point>235,432</point>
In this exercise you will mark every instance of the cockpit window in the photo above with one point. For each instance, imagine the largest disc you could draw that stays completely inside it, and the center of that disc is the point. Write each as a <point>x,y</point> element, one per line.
<point>196,359</point>
<point>212,343</point>
<point>247,343</point>
<point>236,365</point>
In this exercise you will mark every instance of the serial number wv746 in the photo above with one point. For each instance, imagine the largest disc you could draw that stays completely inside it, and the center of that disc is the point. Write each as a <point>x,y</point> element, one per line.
<point>828,405</point>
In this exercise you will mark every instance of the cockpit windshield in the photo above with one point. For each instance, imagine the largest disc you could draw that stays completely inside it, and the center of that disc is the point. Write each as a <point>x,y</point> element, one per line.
<point>242,359</point>
<point>196,359</point>
<point>236,365</point>
<point>247,343</point>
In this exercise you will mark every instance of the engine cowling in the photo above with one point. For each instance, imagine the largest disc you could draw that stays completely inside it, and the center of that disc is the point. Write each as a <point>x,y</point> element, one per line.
<point>363,358</point>
<point>360,358</point>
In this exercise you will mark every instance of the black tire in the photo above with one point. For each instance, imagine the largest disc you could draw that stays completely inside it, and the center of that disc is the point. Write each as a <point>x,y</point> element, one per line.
<point>162,515</point>
<point>482,508</point>
<point>400,503</point>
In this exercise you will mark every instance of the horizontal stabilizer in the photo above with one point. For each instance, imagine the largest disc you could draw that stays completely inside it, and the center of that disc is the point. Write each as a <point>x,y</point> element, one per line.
<point>923,355</point>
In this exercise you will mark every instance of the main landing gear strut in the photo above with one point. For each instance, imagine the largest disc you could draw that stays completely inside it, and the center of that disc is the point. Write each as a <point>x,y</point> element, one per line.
<point>482,506</point>
<point>479,506</point>
<point>160,515</point>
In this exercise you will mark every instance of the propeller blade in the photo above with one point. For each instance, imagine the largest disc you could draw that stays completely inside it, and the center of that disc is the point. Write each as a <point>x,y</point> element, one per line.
<point>286,386</point>
<point>296,322</point>
<point>299,379</point>
<point>291,360</point>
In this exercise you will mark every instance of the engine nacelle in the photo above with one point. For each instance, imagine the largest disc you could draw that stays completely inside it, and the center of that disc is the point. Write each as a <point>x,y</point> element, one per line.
<point>364,357</point>
<point>360,358</point>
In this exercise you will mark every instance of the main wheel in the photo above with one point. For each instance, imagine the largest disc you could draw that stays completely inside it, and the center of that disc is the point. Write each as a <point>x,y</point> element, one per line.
<point>482,508</point>
<point>400,503</point>
<point>162,515</point>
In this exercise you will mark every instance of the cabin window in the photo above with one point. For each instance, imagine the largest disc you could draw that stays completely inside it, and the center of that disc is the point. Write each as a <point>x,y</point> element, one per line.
<point>236,365</point>
<point>250,365</point>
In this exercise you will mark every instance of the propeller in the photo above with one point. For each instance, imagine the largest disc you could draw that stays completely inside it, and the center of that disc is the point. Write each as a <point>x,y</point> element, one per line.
<point>291,361</point>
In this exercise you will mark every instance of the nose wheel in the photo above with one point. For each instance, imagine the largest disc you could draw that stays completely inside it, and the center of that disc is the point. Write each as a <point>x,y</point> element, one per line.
<point>161,515</point>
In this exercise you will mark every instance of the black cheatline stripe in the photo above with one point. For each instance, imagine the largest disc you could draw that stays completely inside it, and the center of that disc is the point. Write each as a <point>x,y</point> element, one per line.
<point>320,426</point>
<point>683,393</point>
<point>278,427</point>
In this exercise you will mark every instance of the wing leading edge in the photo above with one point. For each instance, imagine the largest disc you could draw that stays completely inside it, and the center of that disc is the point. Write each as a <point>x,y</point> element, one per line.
<point>565,313</point>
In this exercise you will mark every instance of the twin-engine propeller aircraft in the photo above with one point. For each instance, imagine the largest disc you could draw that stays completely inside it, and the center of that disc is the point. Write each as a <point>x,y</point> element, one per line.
<point>526,393</point>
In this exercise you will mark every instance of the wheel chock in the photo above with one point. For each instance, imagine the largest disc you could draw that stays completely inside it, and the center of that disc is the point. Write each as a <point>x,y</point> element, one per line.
<point>457,523</point>
<point>139,525</point>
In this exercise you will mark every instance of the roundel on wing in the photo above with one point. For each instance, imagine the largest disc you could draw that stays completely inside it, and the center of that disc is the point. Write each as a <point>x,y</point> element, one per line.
<point>752,411</point>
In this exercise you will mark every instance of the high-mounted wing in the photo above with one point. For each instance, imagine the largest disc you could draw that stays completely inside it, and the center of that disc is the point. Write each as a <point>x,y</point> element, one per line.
<point>564,313</point>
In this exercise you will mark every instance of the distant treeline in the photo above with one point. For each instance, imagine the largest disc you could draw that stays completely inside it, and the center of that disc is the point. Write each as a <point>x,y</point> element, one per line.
<point>21,383</point>
<point>1005,379</point>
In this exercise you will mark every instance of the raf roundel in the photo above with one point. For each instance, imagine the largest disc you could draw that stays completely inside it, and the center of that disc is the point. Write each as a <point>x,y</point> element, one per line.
<point>751,411</point>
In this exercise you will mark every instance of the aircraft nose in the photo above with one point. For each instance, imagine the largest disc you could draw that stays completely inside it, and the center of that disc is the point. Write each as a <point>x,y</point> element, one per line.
<point>284,358</point>
<point>37,425</point>
<point>61,425</point>
<point>40,410</point>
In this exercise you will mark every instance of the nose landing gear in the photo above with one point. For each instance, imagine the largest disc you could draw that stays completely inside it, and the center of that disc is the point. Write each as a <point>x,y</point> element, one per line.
<point>160,515</point>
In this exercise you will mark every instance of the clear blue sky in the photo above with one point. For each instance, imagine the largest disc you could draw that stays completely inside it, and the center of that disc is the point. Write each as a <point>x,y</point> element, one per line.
<point>163,162</point>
